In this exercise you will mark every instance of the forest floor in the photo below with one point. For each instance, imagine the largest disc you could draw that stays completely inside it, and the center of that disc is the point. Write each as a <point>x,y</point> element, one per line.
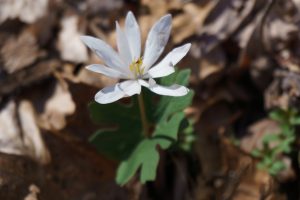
<point>244,61</point>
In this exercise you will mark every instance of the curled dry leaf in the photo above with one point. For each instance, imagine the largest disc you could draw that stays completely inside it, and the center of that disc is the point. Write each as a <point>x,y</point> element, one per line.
<point>70,46</point>
<point>27,11</point>
<point>32,138</point>
<point>20,52</point>
<point>30,142</point>
<point>58,106</point>
<point>10,137</point>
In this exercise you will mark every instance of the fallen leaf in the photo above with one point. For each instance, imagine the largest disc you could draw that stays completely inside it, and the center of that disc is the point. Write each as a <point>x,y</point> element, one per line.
<point>19,52</point>
<point>57,108</point>
<point>22,137</point>
<point>33,192</point>
<point>212,63</point>
<point>10,137</point>
<point>32,139</point>
<point>69,44</point>
<point>256,132</point>
<point>27,11</point>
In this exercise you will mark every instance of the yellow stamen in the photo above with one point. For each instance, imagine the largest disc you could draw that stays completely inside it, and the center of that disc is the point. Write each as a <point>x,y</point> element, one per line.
<point>136,67</point>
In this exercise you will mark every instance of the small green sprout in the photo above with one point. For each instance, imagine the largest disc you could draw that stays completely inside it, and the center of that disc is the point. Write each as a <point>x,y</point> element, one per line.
<point>282,142</point>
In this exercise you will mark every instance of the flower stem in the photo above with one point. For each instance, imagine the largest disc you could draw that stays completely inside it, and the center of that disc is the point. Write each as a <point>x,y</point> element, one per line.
<point>143,115</point>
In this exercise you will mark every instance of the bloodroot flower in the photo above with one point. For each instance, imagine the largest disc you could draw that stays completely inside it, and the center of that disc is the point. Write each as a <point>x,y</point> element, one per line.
<point>128,64</point>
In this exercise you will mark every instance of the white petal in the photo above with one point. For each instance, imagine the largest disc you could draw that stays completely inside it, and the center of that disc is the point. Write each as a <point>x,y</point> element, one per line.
<point>143,83</point>
<point>133,34</point>
<point>173,90</point>
<point>123,46</point>
<point>109,94</point>
<point>113,93</point>
<point>104,51</point>
<point>106,71</point>
<point>130,87</point>
<point>166,66</point>
<point>156,41</point>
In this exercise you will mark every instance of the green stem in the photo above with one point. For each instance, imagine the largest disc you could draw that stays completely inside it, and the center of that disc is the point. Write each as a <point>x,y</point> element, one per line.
<point>143,116</point>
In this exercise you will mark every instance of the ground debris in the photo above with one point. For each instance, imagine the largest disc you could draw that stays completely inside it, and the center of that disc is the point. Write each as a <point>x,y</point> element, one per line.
<point>244,61</point>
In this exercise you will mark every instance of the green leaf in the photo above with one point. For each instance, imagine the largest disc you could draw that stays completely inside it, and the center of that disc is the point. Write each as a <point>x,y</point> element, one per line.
<point>261,166</point>
<point>256,153</point>
<point>187,136</point>
<point>284,140</point>
<point>268,160</point>
<point>295,120</point>
<point>124,140</point>
<point>276,167</point>
<point>124,131</point>
<point>270,138</point>
<point>285,146</point>
<point>278,115</point>
<point>145,157</point>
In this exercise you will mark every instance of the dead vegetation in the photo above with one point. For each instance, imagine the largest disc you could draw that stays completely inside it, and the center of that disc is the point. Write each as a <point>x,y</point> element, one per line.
<point>244,61</point>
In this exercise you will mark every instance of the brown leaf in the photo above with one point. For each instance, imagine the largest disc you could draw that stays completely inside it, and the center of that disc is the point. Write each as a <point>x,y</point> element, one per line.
<point>57,108</point>
<point>19,52</point>
<point>284,91</point>
<point>10,137</point>
<point>256,132</point>
<point>192,13</point>
<point>212,63</point>
<point>27,11</point>
<point>69,44</point>
<point>29,143</point>
<point>32,139</point>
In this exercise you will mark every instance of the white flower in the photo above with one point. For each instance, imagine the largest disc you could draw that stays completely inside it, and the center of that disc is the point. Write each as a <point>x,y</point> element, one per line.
<point>129,65</point>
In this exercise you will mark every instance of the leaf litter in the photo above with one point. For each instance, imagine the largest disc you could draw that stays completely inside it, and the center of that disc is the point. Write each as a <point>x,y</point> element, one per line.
<point>244,62</point>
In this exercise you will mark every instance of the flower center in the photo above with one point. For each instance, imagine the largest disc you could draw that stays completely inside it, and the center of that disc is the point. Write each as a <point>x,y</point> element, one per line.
<point>136,67</point>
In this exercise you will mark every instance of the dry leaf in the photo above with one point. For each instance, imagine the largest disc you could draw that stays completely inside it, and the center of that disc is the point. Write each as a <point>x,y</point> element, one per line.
<point>226,17</point>
<point>256,132</point>
<point>27,10</point>
<point>69,43</point>
<point>33,192</point>
<point>20,52</point>
<point>212,63</point>
<point>193,14</point>
<point>57,108</point>
<point>32,138</point>
<point>281,30</point>
<point>10,134</point>
<point>284,91</point>
<point>30,142</point>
